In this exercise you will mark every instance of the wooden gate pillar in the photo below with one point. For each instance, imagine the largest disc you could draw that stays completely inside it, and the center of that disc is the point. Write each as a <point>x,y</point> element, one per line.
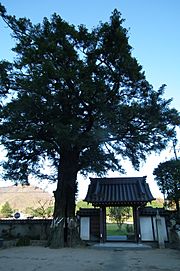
<point>102,224</point>
<point>136,224</point>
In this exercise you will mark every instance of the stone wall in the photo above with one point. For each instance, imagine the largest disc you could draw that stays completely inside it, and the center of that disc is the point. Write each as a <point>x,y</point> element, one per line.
<point>33,229</point>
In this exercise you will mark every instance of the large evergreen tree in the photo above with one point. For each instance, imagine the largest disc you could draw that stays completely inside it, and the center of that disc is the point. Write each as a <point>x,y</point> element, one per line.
<point>79,99</point>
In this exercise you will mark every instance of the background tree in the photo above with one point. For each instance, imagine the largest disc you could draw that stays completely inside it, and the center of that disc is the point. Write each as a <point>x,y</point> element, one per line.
<point>157,203</point>
<point>82,204</point>
<point>167,175</point>
<point>79,99</point>
<point>120,214</point>
<point>45,210</point>
<point>6,210</point>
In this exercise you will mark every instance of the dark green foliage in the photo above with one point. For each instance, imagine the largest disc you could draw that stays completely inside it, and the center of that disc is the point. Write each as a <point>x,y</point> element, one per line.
<point>78,89</point>
<point>167,175</point>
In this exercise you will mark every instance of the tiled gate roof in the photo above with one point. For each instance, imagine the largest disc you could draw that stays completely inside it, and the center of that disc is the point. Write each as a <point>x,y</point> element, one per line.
<point>122,191</point>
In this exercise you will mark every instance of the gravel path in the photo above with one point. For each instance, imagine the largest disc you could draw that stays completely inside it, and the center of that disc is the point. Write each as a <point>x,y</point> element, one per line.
<point>87,259</point>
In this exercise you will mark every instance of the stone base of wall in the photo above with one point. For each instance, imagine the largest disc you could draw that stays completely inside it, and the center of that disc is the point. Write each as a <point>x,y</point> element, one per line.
<point>174,239</point>
<point>7,244</point>
<point>43,243</point>
<point>15,242</point>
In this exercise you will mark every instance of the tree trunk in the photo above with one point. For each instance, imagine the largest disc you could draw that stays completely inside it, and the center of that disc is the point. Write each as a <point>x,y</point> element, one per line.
<point>64,230</point>
<point>177,205</point>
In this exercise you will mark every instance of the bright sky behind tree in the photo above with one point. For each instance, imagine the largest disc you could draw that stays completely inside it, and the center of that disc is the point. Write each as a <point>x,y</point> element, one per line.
<point>154,34</point>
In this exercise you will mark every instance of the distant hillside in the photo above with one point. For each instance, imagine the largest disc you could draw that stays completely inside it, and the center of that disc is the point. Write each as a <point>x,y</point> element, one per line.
<point>21,197</point>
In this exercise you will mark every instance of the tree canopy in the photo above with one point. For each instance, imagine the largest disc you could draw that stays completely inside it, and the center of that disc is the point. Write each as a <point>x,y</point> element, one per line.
<point>71,87</point>
<point>167,175</point>
<point>78,98</point>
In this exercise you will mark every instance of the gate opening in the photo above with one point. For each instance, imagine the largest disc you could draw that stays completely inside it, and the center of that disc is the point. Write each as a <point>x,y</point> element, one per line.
<point>120,224</point>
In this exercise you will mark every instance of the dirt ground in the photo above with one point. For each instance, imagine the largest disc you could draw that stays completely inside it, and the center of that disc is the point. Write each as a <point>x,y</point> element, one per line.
<point>88,259</point>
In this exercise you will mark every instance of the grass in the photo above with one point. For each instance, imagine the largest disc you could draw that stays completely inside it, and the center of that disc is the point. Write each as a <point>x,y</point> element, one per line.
<point>113,229</point>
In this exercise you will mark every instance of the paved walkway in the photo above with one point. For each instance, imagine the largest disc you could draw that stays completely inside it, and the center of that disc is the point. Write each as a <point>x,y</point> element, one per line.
<point>121,245</point>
